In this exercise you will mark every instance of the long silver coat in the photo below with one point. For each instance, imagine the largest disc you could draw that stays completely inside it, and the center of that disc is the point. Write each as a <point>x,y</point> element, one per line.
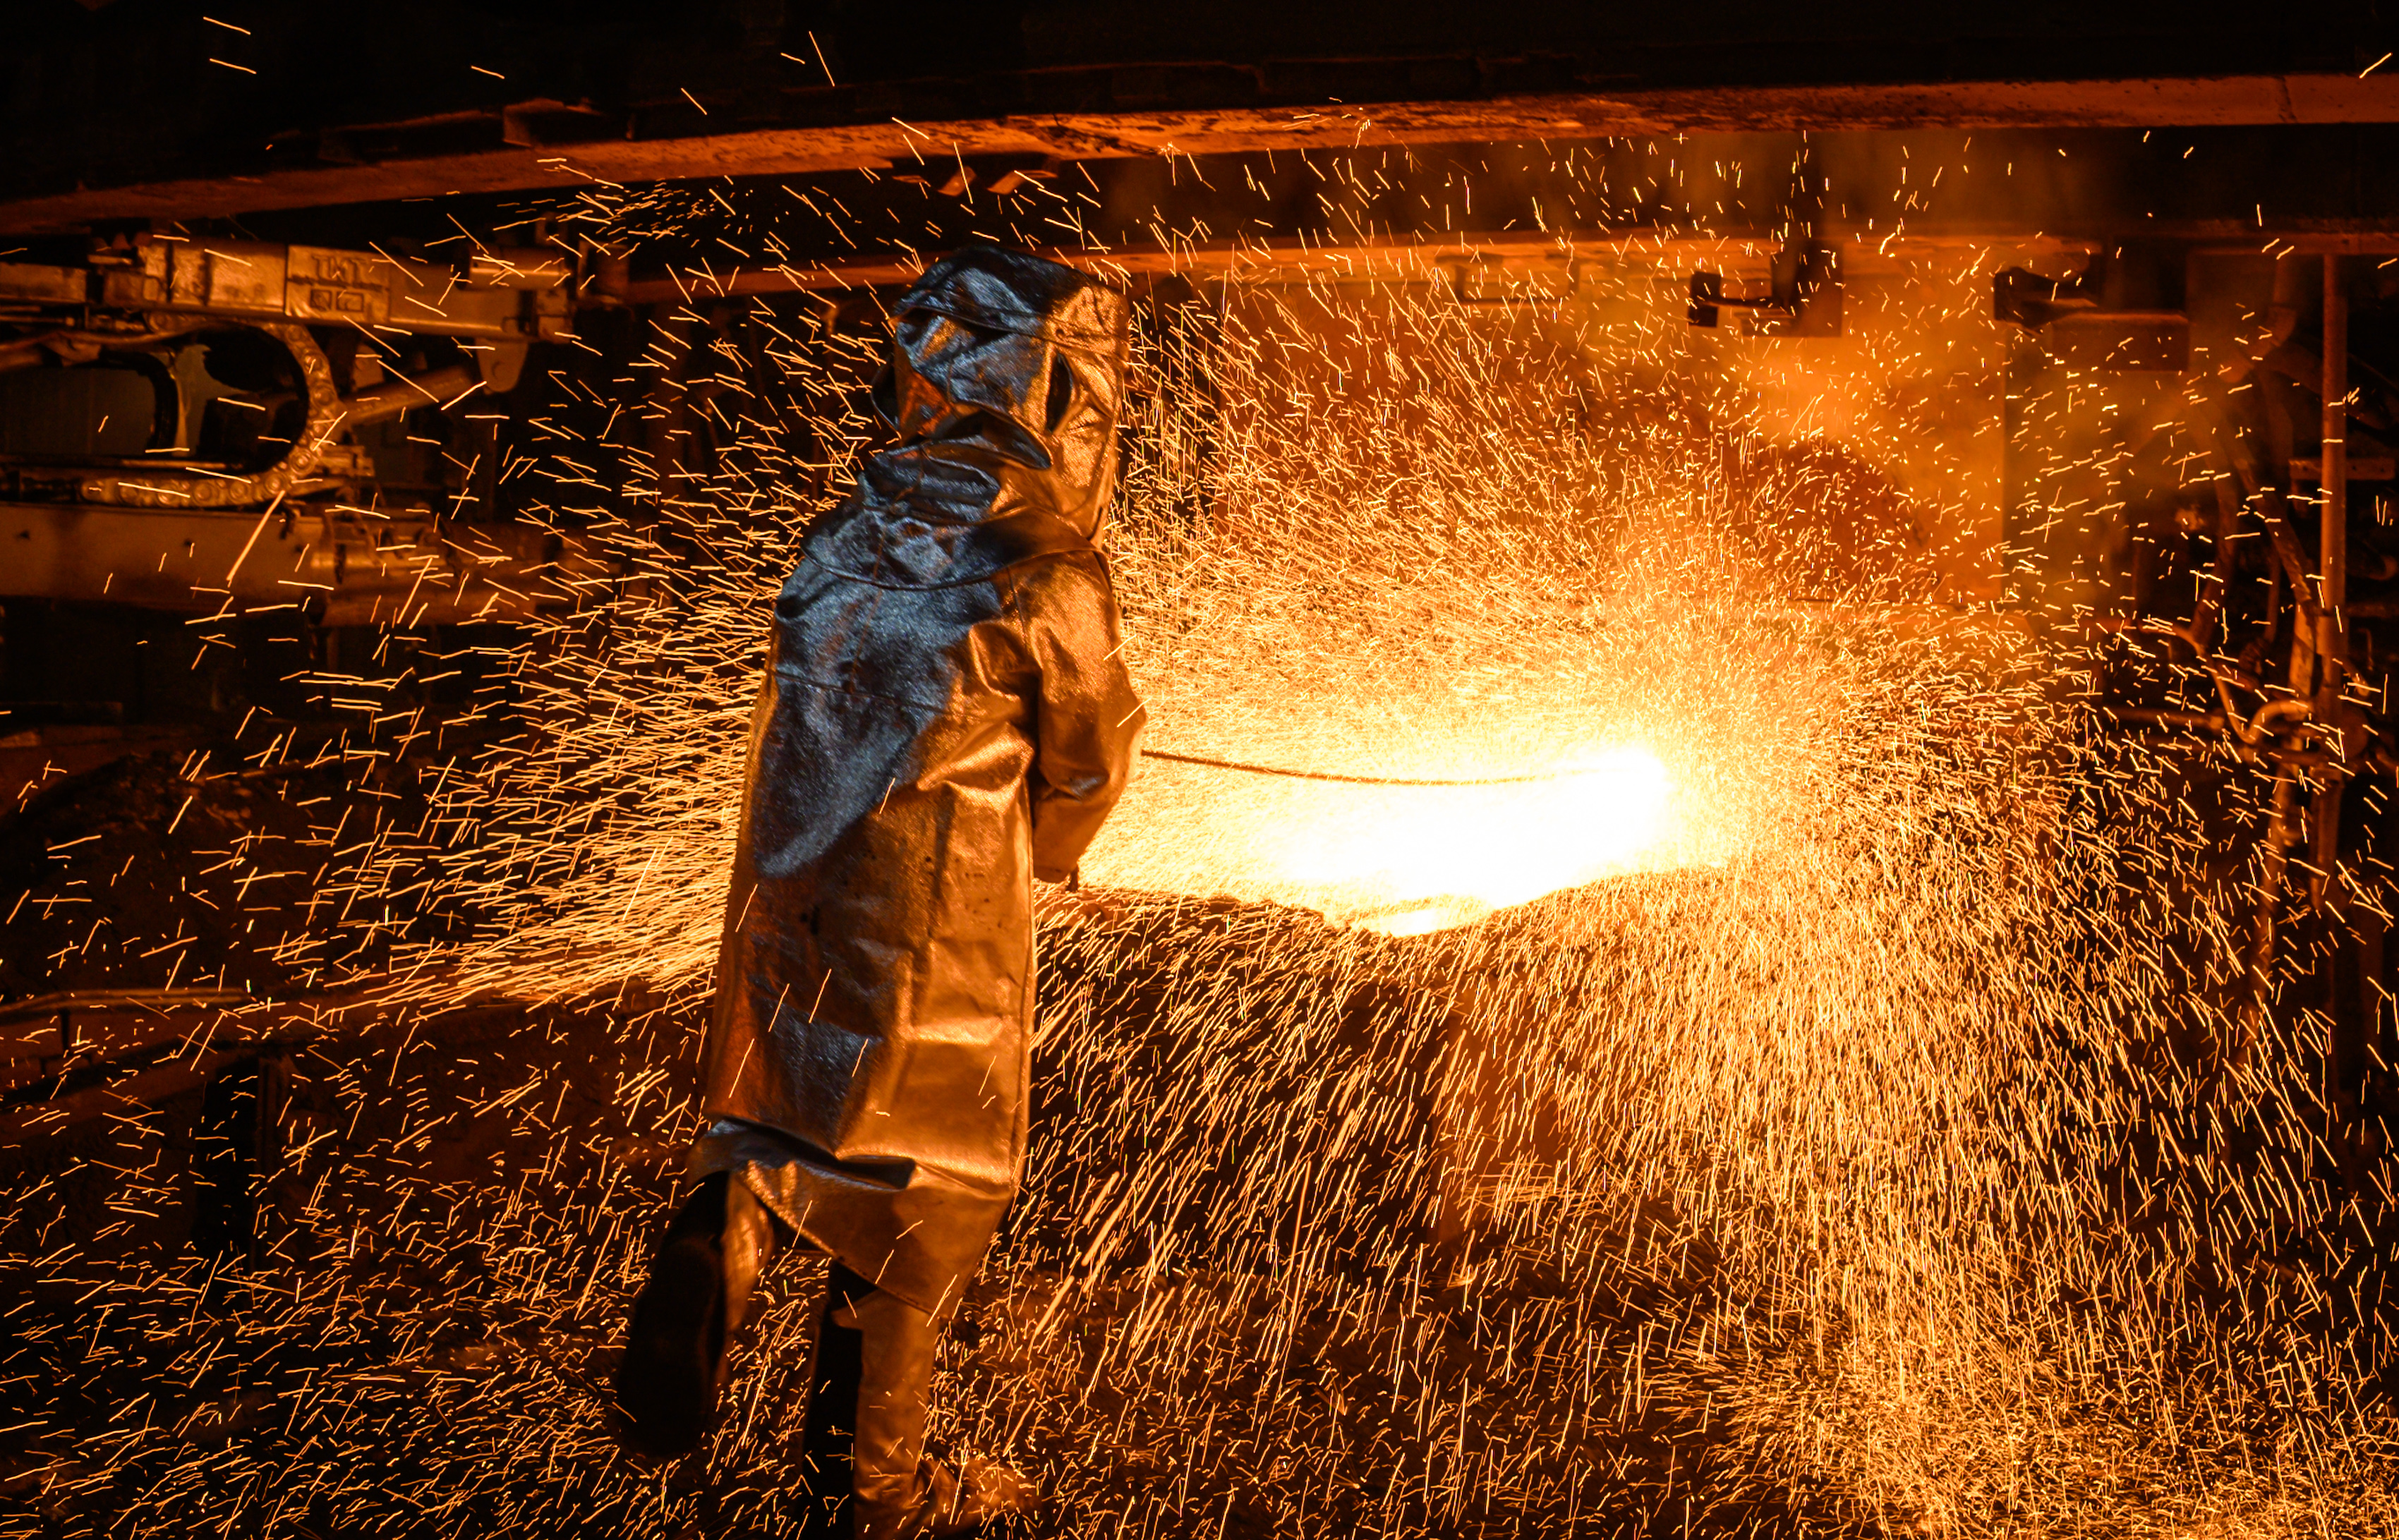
<point>945,717</point>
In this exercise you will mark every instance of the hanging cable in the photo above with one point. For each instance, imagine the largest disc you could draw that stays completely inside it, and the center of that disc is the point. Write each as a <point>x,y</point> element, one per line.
<point>1351,781</point>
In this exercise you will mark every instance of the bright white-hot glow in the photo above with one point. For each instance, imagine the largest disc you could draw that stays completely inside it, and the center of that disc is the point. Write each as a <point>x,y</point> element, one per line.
<point>1406,861</point>
<point>1902,1170</point>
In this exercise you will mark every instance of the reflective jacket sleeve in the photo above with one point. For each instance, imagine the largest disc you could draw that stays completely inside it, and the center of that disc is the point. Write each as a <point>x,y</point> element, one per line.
<point>1086,719</point>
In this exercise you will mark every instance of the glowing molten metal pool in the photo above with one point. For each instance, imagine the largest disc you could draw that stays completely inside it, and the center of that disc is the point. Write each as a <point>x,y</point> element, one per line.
<point>1404,859</point>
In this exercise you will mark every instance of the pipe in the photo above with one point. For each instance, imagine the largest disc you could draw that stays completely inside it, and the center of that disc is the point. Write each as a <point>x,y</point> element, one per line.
<point>2330,643</point>
<point>349,568</point>
<point>527,268</point>
<point>381,403</point>
<point>2269,717</point>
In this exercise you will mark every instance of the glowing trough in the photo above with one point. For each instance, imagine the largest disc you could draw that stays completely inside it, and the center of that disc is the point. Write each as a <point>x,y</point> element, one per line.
<point>1410,860</point>
<point>1405,860</point>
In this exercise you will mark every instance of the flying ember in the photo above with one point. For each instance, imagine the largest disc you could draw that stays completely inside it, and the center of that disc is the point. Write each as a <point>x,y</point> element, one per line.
<point>1748,892</point>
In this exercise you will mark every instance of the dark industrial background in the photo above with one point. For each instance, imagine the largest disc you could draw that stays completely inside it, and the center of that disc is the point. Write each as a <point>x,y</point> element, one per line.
<point>292,295</point>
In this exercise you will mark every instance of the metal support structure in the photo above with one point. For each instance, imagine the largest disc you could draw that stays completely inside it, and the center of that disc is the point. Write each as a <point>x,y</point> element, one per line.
<point>2346,1006</point>
<point>2330,645</point>
<point>1071,112</point>
<point>2333,574</point>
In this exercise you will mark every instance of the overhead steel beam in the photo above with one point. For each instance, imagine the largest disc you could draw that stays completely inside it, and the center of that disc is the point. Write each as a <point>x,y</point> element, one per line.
<point>1410,254</point>
<point>312,179</point>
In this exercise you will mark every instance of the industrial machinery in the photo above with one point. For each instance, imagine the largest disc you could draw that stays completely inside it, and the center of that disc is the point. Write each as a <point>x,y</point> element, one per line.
<point>407,414</point>
<point>198,424</point>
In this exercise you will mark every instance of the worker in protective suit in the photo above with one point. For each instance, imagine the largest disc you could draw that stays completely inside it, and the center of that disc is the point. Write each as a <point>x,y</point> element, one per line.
<point>945,720</point>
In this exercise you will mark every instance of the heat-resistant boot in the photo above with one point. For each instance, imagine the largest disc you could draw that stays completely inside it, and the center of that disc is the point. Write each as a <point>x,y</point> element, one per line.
<point>897,1493</point>
<point>833,1407</point>
<point>699,1286</point>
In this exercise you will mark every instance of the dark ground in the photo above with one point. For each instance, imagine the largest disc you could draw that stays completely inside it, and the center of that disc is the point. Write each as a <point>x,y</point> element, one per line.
<point>371,1284</point>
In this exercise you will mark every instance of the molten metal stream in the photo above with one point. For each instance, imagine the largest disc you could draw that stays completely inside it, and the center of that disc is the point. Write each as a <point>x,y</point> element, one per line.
<point>1384,856</point>
<point>1401,860</point>
<point>1409,862</point>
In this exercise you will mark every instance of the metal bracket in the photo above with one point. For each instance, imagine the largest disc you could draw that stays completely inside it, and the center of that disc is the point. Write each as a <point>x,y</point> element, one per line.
<point>1805,298</point>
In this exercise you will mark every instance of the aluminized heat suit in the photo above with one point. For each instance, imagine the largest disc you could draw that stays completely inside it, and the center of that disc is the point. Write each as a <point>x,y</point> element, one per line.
<point>945,719</point>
